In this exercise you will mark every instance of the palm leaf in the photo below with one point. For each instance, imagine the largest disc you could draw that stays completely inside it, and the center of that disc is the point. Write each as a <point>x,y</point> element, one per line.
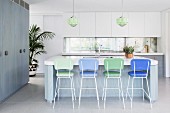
<point>36,44</point>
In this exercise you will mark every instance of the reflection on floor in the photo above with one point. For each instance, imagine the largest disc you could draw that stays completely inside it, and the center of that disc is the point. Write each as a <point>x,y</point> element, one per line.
<point>30,99</point>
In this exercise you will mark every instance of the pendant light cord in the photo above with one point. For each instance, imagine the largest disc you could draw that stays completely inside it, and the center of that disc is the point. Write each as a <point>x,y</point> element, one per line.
<point>122,8</point>
<point>73,8</point>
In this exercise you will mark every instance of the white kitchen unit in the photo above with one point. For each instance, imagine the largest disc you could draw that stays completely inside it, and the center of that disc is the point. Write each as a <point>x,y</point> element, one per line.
<point>103,24</point>
<point>87,24</point>
<point>136,24</point>
<point>68,30</point>
<point>152,24</point>
<point>118,31</point>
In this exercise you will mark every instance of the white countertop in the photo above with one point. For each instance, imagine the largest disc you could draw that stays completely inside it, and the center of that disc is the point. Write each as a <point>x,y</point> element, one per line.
<point>50,61</point>
<point>107,54</point>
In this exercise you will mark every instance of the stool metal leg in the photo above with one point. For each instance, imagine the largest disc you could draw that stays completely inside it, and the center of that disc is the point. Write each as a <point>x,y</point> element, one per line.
<point>118,87</point>
<point>104,88</point>
<point>143,89</point>
<point>132,93</point>
<point>149,92</point>
<point>58,92</point>
<point>122,92</point>
<point>72,91</point>
<point>105,93</point>
<point>55,93</point>
<point>97,93</point>
<point>80,91</point>
<point>127,91</point>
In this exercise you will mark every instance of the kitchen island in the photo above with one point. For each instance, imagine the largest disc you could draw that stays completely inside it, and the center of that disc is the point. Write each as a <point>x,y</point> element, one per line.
<point>50,79</point>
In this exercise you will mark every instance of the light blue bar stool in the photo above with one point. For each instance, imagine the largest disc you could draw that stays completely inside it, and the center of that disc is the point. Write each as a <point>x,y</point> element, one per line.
<point>64,68</point>
<point>88,70</point>
<point>140,70</point>
<point>113,70</point>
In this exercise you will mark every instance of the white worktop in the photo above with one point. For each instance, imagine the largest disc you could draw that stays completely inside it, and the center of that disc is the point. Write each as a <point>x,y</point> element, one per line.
<point>50,61</point>
<point>107,54</point>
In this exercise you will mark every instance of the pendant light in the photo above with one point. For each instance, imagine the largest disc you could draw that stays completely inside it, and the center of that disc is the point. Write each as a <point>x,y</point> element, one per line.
<point>73,21</point>
<point>122,21</point>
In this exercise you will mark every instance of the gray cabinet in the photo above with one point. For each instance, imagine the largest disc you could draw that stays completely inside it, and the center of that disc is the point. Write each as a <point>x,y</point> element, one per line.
<point>1,51</point>
<point>13,41</point>
<point>160,59</point>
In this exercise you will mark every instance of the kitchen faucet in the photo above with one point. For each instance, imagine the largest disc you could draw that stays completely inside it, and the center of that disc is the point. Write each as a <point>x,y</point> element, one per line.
<point>99,46</point>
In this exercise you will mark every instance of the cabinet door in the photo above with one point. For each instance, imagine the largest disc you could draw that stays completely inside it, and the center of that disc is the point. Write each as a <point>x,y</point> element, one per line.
<point>1,49</point>
<point>25,52</point>
<point>136,24</point>
<point>118,31</point>
<point>152,24</point>
<point>87,24</point>
<point>68,30</point>
<point>7,48</point>
<point>103,24</point>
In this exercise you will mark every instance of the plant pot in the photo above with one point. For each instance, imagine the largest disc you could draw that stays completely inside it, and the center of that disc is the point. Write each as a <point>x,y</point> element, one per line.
<point>128,55</point>
<point>32,70</point>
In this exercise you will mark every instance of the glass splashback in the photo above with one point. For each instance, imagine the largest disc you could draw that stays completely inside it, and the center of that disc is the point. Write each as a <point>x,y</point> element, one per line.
<point>93,45</point>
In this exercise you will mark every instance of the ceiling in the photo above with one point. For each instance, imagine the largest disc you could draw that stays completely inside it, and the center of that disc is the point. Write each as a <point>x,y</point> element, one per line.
<point>59,6</point>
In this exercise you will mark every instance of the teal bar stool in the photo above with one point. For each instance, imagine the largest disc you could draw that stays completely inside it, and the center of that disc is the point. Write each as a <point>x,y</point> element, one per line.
<point>88,70</point>
<point>64,67</point>
<point>140,70</point>
<point>113,70</point>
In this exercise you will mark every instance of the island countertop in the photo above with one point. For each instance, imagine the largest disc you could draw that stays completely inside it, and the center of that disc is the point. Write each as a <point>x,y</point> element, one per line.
<point>109,54</point>
<point>50,61</point>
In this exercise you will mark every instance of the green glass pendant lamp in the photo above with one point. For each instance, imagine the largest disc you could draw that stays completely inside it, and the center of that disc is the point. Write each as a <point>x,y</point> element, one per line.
<point>73,21</point>
<point>122,21</point>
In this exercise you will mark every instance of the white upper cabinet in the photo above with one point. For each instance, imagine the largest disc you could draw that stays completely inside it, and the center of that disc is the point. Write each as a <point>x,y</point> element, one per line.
<point>103,24</point>
<point>152,24</point>
<point>136,24</point>
<point>87,24</point>
<point>118,31</point>
<point>68,30</point>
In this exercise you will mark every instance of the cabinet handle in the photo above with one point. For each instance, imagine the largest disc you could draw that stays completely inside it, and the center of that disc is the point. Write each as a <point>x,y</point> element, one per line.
<point>24,50</point>
<point>0,54</point>
<point>20,51</point>
<point>6,53</point>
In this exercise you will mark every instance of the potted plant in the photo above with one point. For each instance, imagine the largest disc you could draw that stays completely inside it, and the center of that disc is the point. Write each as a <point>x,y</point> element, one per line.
<point>128,51</point>
<point>36,46</point>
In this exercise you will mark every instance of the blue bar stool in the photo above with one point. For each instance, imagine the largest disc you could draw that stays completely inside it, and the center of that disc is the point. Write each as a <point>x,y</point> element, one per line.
<point>64,68</point>
<point>113,70</point>
<point>88,70</point>
<point>140,70</point>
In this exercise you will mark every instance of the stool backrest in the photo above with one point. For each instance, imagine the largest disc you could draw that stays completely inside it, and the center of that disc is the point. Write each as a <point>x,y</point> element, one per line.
<point>113,63</point>
<point>89,64</point>
<point>63,63</point>
<point>140,64</point>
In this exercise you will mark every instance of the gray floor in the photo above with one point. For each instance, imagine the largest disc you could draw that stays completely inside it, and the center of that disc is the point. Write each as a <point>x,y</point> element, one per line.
<point>30,99</point>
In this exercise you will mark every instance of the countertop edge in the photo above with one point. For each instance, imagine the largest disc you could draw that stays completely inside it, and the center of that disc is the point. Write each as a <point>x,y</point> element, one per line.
<point>106,54</point>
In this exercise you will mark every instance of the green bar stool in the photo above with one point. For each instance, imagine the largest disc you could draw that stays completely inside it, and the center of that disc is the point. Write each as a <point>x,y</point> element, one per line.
<point>64,67</point>
<point>113,70</point>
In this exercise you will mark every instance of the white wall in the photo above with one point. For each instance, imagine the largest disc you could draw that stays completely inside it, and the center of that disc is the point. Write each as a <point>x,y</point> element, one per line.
<point>53,47</point>
<point>164,41</point>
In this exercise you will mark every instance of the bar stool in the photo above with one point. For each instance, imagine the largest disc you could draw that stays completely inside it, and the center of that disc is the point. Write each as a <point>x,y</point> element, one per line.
<point>88,70</point>
<point>140,70</point>
<point>113,70</point>
<point>64,68</point>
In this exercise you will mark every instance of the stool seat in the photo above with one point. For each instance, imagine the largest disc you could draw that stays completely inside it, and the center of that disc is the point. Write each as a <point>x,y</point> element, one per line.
<point>111,73</point>
<point>137,73</point>
<point>88,73</point>
<point>65,73</point>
